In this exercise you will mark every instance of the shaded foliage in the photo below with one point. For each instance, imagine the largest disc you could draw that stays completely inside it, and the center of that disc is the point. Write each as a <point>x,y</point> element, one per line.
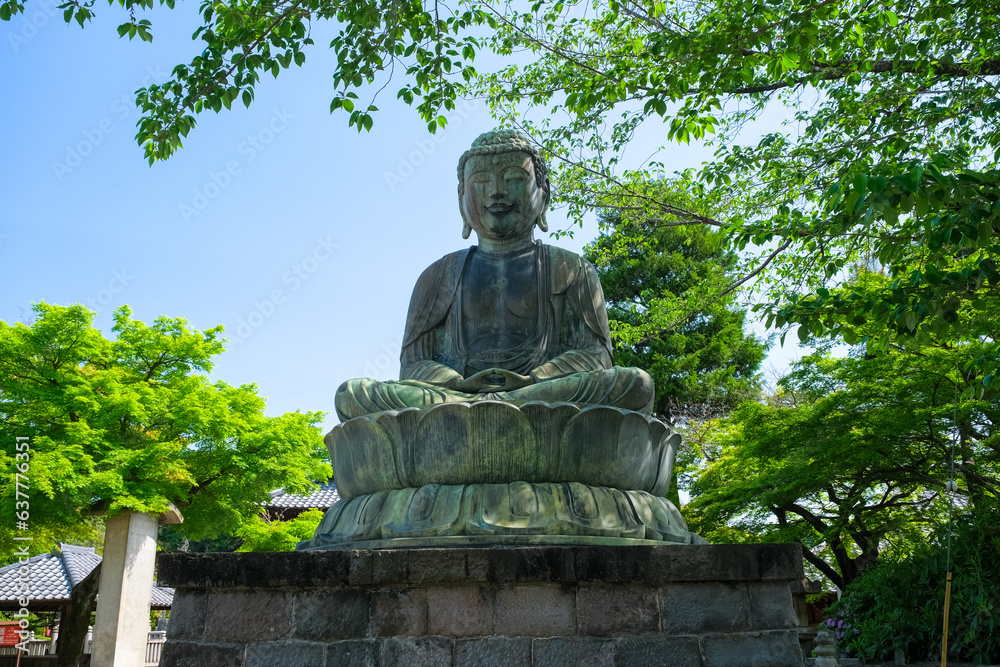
<point>899,603</point>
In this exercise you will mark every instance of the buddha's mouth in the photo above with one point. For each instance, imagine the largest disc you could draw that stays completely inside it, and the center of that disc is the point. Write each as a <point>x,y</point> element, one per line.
<point>501,208</point>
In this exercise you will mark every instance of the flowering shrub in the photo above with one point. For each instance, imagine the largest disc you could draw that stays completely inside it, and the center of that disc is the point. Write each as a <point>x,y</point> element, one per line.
<point>844,633</point>
<point>900,605</point>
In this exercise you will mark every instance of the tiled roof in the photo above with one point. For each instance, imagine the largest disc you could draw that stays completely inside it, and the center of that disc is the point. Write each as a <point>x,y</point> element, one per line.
<point>323,497</point>
<point>163,597</point>
<point>53,576</point>
<point>79,561</point>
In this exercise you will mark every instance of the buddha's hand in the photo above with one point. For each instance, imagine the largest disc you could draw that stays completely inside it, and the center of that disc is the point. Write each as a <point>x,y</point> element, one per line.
<point>492,380</point>
<point>512,380</point>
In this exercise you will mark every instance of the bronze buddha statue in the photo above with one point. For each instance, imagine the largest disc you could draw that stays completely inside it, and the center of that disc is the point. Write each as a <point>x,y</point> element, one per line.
<point>509,319</point>
<point>509,423</point>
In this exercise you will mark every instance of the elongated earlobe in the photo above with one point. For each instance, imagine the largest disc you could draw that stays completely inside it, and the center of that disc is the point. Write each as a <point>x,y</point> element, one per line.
<point>542,223</point>
<point>466,230</point>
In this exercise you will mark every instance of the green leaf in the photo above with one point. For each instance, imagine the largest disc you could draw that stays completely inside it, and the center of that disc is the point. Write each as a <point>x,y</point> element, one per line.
<point>985,232</point>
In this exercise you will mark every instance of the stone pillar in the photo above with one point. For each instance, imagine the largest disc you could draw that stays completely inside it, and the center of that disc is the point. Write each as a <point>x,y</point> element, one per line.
<point>122,625</point>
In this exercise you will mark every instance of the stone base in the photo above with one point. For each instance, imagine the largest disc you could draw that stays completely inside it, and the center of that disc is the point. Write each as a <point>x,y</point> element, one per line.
<point>606,606</point>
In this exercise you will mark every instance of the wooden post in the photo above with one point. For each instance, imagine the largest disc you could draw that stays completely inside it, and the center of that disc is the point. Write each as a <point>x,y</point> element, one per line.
<point>947,608</point>
<point>75,619</point>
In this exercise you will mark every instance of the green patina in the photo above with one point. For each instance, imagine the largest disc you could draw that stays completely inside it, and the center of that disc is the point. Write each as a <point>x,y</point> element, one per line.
<point>509,420</point>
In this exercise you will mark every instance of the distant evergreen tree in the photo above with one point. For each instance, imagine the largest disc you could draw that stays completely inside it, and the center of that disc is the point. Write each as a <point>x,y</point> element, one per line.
<point>657,281</point>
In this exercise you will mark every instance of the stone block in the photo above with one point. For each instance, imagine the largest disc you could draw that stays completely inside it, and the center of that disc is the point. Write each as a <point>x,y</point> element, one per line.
<point>659,652</point>
<point>779,648</point>
<point>331,614</point>
<point>572,605</point>
<point>285,654</point>
<point>360,571</point>
<point>477,564</point>
<point>771,606</point>
<point>416,652</point>
<point>613,611</point>
<point>396,567</point>
<point>614,564</point>
<point>177,653</point>
<point>268,569</point>
<point>725,562</point>
<point>400,613</point>
<point>248,616</point>
<point>460,611</point>
<point>535,610</point>
<point>493,652</point>
<point>351,653</point>
<point>573,652</point>
<point>187,614</point>
<point>705,607</point>
<point>531,563</point>
<point>651,565</point>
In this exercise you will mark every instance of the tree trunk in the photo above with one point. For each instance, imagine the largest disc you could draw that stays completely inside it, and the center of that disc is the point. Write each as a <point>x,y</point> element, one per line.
<point>76,620</point>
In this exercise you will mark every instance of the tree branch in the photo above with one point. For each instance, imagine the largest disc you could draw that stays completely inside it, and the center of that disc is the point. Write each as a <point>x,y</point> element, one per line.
<point>823,567</point>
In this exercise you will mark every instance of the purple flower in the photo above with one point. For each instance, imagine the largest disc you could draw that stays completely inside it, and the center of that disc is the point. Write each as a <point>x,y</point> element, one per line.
<point>840,624</point>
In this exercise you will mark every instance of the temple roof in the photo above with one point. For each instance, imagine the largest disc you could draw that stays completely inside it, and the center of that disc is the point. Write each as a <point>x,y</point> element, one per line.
<point>322,498</point>
<point>52,577</point>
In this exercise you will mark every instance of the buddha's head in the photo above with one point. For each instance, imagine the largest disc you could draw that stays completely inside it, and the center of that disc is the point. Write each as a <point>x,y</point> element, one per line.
<point>503,187</point>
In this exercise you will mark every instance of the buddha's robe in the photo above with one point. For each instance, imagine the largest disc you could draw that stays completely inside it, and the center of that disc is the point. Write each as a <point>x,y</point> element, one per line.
<point>567,351</point>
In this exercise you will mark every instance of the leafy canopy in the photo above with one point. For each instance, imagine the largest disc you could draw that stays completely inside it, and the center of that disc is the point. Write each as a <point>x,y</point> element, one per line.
<point>886,160</point>
<point>131,424</point>
<point>240,41</point>
<point>850,459</point>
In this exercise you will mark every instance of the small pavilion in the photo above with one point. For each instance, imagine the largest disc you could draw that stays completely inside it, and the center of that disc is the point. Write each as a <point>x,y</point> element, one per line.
<point>52,577</point>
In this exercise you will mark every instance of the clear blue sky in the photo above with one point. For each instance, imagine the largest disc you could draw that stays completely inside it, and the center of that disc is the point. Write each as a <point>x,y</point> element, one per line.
<point>299,235</point>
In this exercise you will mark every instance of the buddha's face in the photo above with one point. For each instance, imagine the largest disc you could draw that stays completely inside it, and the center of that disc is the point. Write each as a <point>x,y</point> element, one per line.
<point>502,199</point>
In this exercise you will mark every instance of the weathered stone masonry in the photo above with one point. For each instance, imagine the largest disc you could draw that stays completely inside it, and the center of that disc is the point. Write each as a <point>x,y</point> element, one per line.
<point>607,606</point>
